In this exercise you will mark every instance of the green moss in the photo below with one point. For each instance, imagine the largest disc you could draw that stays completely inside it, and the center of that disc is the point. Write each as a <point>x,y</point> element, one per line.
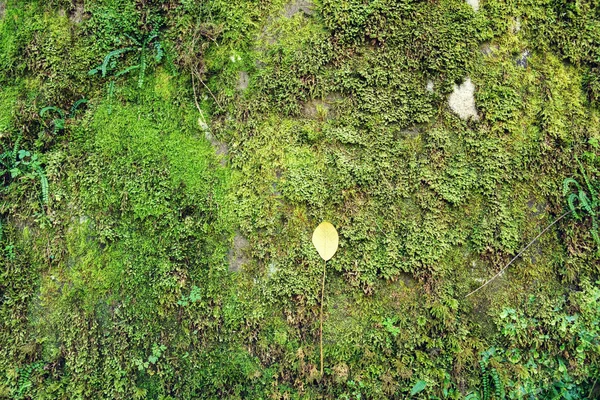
<point>120,285</point>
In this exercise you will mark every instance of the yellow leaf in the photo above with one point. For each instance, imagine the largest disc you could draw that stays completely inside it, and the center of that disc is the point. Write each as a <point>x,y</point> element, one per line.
<point>325,238</point>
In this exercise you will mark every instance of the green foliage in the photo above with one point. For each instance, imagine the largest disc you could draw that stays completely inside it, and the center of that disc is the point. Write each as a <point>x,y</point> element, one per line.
<point>59,123</point>
<point>17,164</point>
<point>142,46</point>
<point>122,287</point>
<point>586,202</point>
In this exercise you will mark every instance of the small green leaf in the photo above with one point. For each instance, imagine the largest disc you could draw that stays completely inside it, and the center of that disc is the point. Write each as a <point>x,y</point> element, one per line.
<point>419,386</point>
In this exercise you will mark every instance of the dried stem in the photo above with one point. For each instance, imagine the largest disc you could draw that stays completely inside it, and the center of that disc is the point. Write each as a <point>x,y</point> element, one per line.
<point>521,252</point>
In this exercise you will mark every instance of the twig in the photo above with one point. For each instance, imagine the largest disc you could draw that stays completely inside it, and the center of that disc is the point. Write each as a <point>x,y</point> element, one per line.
<point>521,252</point>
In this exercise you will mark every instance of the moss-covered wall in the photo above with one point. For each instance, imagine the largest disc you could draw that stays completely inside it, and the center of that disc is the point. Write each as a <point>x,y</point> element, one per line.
<point>169,255</point>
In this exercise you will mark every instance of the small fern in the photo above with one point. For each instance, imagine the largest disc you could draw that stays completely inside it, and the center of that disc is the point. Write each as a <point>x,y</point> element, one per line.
<point>59,123</point>
<point>143,45</point>
<point>584,201</point>
<point>25,373</point>
<point>43,182</point>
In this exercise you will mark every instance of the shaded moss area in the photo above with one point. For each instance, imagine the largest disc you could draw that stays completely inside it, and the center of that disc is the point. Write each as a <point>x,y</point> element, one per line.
<point>209,124</point>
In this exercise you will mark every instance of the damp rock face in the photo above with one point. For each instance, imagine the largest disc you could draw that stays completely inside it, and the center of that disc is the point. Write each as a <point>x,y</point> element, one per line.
<point>243,81</point>
<point>429,86</point>
<point>474,4</point>
<point>237,257</point>
<point>296,6</point>
<point>462,100</point>
<point>522,60</point>
<point>76,16</point>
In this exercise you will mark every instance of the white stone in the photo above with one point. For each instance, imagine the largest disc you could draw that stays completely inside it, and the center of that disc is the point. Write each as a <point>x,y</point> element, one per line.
<point>474,4</point>
<point>462,100</point>
<point>429,86</point>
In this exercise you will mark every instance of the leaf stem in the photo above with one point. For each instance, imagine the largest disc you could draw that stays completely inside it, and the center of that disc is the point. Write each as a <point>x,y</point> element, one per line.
<point>321,327</point>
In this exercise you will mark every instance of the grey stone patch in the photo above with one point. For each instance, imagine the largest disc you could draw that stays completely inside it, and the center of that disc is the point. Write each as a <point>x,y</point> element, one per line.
<point>243,81</point>
<point>522,60</point>
<point>487,49</point>
<point>221,148</point>
<point>429,86</point>
<point>474,4</point>
<point>76,16</point>
<point>316,109</point>
<point>462,100</point>
<point>2,9</point>
<point>237,254</point>
<point>294,7</point>
<point>412,131</point>
<point>536,208</point>
<point>272,269</point>
<point>516,25</point>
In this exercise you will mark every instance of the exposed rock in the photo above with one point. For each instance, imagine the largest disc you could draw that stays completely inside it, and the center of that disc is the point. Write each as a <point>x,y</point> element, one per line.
<point>462,100</point>
<point>2,9</point>
<point>429,86</point>
<point>522,61</point>
<point>237,257</point>
<point>412,131</point>
<point>474,4</point>
<point>487,49</point>
<point>315,109</point>
<point>221,148</point>
<point>516,26</point>
<point>296,6</point>
<point>321,109</point>
<point>243,81</point>
<point>76,16</point>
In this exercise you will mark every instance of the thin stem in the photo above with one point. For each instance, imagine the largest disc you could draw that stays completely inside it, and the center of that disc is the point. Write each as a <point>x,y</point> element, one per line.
<point>521,252</point>
<point>321,328</point>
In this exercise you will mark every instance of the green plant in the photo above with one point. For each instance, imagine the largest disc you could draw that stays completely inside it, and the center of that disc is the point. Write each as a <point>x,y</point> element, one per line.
<point>25,373</point>
<point>157,351</point>
<point>490,380</point>
<point>142,46</point>
<point>59,123</point>
<point>584,203</point>
<point>17,162</point>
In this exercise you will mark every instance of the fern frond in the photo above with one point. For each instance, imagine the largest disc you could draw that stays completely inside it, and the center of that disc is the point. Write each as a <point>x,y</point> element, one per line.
<point>586,204</point>
<point>126,70</point>
<point>572,207</point>
<point>75,106</point>
<point>57,110</point>
<point>142,69</point>
<point>567,185</point>
<point>43,183</point>
<point>134,40</point>
<point>159,52</point>
<point>153,35</point>
<point>16,148</point>
<point>110,55</point>
<point>585,178</point>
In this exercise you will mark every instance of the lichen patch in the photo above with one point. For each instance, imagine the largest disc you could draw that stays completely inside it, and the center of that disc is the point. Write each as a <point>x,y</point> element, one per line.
<point>462,100</point>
